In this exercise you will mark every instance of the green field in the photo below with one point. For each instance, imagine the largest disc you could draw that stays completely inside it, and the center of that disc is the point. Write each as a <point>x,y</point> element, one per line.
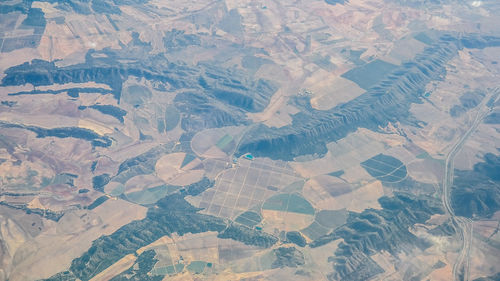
<point>331,219</point>
<point>97,202</point>
<point>422,37</point>
<point>170,270</point>
<point>172,117</point>
<point>136,95</point>
<point>289,203</point>
<point>315,230</point>
<point>336,173</point>
<point>224,141</point>
<point>187,159</point>
<point>196,267</point>
<point>324,222</point>
<point>423,155</point>
<point>249,218</point>
<point>161,270</point>
<point>117,191</point>
<point>370,74</point>
<point>150,195</point>
<point>385,168</point>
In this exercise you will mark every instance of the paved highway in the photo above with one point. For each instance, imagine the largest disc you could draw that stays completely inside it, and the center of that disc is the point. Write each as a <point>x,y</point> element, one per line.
<point>463,226</point>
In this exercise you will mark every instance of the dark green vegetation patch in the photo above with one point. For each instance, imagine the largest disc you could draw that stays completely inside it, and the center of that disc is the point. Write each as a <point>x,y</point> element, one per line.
<point>336,173</point>
<point>98,182</point>
<point>196,267</point>
<point>315,230</point>
<point>253,63</point>
<point>388,101</point>
<point>324,222</point>
<point>333,2</point>
<point>142,164</point>
<point>136,95</point>
<point>35,18</point>
<point>111,110</point>
<point>150,195</point>
<point>97,202</point>
<point>289,203</point>
<point>249,218</point>
<point>493,118</point>
<point>139,271</point>
<point>287,257</point>
<point>64,132</point>
<point>178,39</point>
<point>248,236</point>
<point>385,168</point>
<point>187,159</point>
<point>369,74</point>
<point>424,38</point>
<point>296,238</point>
<point>171,214</point>
<point>372,231</point>
<point>212,96</point>
<point>468,100</point>
<point>330,218</point>
<point>47,214</point>
<point>172,117</point>
<point>476,193</point>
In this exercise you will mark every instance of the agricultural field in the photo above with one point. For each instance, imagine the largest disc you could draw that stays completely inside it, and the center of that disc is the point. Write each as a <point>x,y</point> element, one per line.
<point>344,140</point>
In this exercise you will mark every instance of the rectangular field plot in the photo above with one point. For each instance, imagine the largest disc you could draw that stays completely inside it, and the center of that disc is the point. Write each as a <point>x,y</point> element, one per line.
<point>247,184</point>
<point>315,230</point>
<point>213,167</point>
<point>11,44</point>
<point>369,74</point>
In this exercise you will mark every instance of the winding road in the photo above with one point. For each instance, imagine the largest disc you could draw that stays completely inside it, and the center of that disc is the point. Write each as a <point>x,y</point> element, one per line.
<point>463,226</point>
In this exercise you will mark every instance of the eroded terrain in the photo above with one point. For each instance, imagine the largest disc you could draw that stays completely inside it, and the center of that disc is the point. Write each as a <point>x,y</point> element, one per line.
<point>249,140</point>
